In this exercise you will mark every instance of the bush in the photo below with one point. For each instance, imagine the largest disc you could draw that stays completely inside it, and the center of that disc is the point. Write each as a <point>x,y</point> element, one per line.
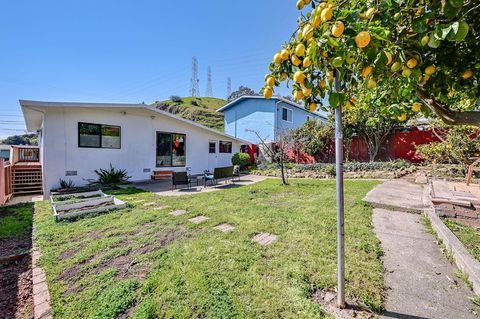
<point>241,159</point>
<point>66,184</point>
<point>112,176</point>
<point>176,99</point>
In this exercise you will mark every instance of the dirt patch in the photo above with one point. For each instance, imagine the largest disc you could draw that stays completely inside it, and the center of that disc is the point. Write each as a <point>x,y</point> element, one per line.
<point>327,299</point>
<point>16,292</point>
<point>15,244</point>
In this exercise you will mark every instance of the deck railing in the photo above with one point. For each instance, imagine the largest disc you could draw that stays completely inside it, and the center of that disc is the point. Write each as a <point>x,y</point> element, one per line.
<point>5,181</point>
<point>24,154</point>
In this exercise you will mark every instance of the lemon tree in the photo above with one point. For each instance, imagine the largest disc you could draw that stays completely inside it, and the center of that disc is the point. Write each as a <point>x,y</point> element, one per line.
<point>424,54</point>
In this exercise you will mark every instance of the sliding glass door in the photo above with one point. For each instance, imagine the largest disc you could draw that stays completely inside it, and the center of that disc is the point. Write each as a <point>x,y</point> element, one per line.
<point>171,150</point>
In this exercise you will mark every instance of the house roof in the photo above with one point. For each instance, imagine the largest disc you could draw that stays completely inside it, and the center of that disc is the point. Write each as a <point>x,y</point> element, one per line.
<point>33,112</point>
<point>278,98</point>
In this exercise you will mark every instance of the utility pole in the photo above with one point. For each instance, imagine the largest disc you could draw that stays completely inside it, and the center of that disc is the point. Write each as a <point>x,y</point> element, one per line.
<point>340,204</point>
<point>194,81</point>
<point>209,91</point>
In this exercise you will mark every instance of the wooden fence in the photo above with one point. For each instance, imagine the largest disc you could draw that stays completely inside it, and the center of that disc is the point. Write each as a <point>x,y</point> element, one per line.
<point>5,181</point>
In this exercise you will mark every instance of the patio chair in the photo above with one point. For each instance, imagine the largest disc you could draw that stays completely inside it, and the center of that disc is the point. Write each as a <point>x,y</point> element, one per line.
<point>236,172</point>
<point>180,178</point>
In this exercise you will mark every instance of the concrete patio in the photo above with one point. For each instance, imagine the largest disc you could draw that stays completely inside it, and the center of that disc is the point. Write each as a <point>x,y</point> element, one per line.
<point>164,188</point>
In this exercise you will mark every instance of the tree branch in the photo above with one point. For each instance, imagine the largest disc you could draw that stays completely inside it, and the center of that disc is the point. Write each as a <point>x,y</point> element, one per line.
<point>448,116</point>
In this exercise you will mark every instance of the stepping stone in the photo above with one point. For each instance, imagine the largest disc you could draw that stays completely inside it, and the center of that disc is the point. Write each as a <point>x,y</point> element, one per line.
<point>179,212</point>
<point>224,227</point>
<point>138,201</point>
<point>198,219</point>
<point>149,204</point>
<point>161,207</point>
<point>264,238</point>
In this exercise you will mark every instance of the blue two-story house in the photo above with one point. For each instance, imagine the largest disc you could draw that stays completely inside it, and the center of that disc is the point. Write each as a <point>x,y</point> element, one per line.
<point>246,115</point>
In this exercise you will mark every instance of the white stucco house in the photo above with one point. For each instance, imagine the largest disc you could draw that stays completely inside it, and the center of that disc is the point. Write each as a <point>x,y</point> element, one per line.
<point>77,138</point>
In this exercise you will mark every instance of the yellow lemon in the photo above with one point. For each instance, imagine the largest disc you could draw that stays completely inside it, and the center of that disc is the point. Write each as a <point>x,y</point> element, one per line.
<point>295,60</point>
<point>424,40</point>
<point>330,76</point>
<point>285,54</point>
<point>406,72</point>
<point>396,66</point>
<point>307,31</point>
<point>350,59</point>
<point>369,13</point>
<point>412,63</point>
<point>325,54</point>
<point>348,105</point>
<point>467,74</point>
<point>307,62</point>
<point>371,84</point>
<point>416,107</point>
<point>426,77</point>
<point>420,77</point>
<point>300,49</point>
<point>300,4</point>
<point>367,71</point>
<point>277,58</point>
<point>316,21</point>
<point>362,39</point>
<point>270,81</point>
<point>306,91</point>
<point>338,28</point>
<point>298,95</point>
<point>307,1</point>
<point>268,92</point>
<point>326,14</point>
<point>299,77</point>
<point>312,107</point>
<point>389,57</point>
<point>429,70</point>
<point>323,84</point>
<point>402,117</point>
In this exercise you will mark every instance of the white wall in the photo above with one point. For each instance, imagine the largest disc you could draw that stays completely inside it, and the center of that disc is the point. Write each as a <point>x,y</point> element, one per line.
<point>138,144</point>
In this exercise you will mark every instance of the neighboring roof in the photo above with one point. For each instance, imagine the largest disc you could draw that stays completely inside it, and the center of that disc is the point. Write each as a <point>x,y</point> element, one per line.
<point>33,113</point>
<point>278,98</point>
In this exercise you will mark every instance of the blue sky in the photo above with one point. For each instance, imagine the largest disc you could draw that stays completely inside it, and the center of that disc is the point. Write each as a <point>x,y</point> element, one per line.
<point>132,51</point>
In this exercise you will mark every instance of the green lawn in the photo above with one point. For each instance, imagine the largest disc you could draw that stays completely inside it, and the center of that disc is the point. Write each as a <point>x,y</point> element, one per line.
<point>469,236</point>
<point>15,220</point>
<point>150,264</point>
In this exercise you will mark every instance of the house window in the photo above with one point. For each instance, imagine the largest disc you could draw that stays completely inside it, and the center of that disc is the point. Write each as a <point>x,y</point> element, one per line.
<point>98,135</point>
<point>212,147</point>
<point>225,147</point>
<point>286,114</point>
<point>171,149</point>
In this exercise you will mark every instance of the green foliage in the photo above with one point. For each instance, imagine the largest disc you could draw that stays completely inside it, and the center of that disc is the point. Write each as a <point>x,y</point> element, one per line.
<point>459,144</point>
<point>241,159</point>
<point>15,220</point>
<point>202,110</point>
<point>315,139</point>
<point>469,236</point>
<point>356,166</point>
<point>116,300</point>
<point>112,176</point>
<point>25,139</point>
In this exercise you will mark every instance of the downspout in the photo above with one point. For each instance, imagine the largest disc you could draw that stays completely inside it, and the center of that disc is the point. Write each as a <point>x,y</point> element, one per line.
<point>275,128</point>
<point>235,123</point>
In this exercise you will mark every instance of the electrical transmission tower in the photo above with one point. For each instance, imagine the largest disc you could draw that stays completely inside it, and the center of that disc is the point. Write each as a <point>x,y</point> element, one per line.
<point>209,91</point>
<point>229,87</point>
<point>194,81</point>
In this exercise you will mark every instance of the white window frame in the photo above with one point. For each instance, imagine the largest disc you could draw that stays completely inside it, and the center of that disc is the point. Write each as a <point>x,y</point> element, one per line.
<point>289,111</point>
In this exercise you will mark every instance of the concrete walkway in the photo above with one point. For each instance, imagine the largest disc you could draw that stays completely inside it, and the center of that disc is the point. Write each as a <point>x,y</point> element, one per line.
<point>421,282</point>
<point>164,188</point>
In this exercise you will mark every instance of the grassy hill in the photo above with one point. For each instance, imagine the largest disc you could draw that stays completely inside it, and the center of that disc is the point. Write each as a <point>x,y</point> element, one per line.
<point>199,109</point>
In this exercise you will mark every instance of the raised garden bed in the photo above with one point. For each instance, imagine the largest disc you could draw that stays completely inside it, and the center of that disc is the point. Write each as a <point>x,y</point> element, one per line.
<point>83,204</point>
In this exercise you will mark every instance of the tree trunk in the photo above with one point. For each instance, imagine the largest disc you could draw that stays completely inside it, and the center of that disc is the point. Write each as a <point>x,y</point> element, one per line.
<point>448,116</point>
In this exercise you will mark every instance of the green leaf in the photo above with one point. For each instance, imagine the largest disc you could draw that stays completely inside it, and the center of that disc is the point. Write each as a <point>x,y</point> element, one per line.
<point>442,31</point>
<point>333,99</point>
<point>455,3</point>
<point>462,31</point>
<point>453,31</point>
<point>450,11</point>
<point>419,25</point>
<point>433,42</point>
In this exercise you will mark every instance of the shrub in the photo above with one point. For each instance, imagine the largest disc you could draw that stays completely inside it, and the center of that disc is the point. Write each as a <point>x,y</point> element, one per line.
<point>241,159</point>
<point>176,99</point>
<point>112,176</point>
<point>66,184</point>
